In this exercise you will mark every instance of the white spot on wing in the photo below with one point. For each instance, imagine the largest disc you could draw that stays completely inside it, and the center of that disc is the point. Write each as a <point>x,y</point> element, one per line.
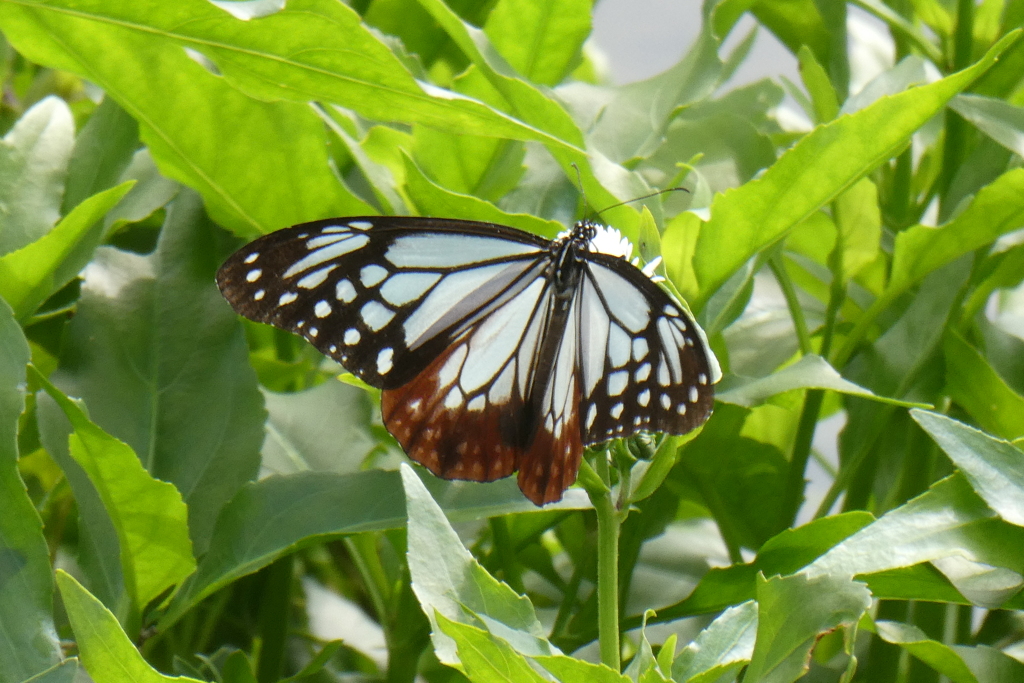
<point>478,403</point>
<point>352,336</point>
<point>591,415</point>
<point>454,399</point>
<point>372,275</point>
<point>253,275</point>
<point>617,382</point>
<point>361,225</point>
<point>403,288</point>
<point>344,291</point>
<point>258,296</point>
<point>346,245</point>
<point>644,398</point>
<point>666,402</point>
<point>640,348</point>
<point>444,251</point>
<point>376,315</point>
<point>384,360</point>
<point>702,378</point>
<point>287,298</point>
<point>315,278</point>
<point>251,258</point>
<point>322,309</point>
<point>618,346</point>
<point>627,303</point>
<point>617,411</point>
<point>593,336</point>
<point>643,372</point>
<point>693,395</point>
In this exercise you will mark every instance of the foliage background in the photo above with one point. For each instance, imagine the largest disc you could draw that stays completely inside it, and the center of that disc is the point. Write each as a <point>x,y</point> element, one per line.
<point>217,506</point>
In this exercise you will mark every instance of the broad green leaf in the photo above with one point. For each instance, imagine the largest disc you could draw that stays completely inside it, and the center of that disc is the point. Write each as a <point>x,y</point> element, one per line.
<point>793,611</point>
<point>209,135</point>
<point>448,581</point>
<point>959,663</point>
<point>312,50</point>
<point>542,41</point>
<point>31,274</point>
<point>603,182</point>
<point>783,554</point>
<point>33,164</point>
<point>103,151</point>
<point>1001,121</point>
<point>324,429</point>
<point>432,200</point>
<point>486,167</point>
<point>572,670</point>
<point>484,658</point>
<point>997,209</point>
<point>28,641</point>
<point>281,514</point>
<point>151,191</point>
<point>814,171</point>
<point>629,122</point>
<point>810,372</point>
<point>860,227</point>
<point>948,520</point>
<point>994,467</point>
<point>161,361</point>
<point>104,649</point>
<point>976,387</point>
<point>724,646</point>
<point>148,514</point>
<point>99,550</point>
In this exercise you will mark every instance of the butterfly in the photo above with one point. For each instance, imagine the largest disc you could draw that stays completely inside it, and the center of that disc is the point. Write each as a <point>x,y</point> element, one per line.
<point>496,350</point>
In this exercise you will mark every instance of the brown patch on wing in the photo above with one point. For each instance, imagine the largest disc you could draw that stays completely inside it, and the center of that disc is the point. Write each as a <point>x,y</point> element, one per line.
<point>438,430</point>
<point>551,463</point>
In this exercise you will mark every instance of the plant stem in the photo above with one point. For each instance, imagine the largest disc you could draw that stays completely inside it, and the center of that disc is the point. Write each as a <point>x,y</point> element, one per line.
<point>792,302</point>
<point>607,570</point>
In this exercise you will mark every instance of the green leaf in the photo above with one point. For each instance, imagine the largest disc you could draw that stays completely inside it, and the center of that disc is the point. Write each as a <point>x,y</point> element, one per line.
<point>325,429</point>
<point>571,670</point>
<point>209,135</point>
<point>484,658</point>
<point>793,611</point>
<point>449,582</point>
<point>1001,121</point>
<point>959,663</point>
<point>814,171</point>
<point>860,227</point>
<point>992,466</point>
<point>784,553</point>
<point>997,209</point>
<point>810,372</point>
<point>823,95</point>
<point>542,41</point>
<point>149,515</point>
<point>28,641</point>
<point>33,163</point>
<point>65,672</point>
<point>103,151</point>
<point>724,646</point>
<point>432,200</point>
<point>947,521</point>
<point>536,109</point>
<point>31,274</point>
<point>976,387</point>
<point>281,514</point>
<point>162,363</point>
<point>104,649</point>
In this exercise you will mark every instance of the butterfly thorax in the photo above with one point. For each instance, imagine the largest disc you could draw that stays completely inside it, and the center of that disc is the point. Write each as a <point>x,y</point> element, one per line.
<point>567,254</point>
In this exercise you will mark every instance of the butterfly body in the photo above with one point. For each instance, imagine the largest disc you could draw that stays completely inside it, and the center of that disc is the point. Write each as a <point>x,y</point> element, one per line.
<point>496,350</point>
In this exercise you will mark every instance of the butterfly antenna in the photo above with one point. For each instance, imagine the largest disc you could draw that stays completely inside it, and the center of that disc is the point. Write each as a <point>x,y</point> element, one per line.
<point>638,199</point>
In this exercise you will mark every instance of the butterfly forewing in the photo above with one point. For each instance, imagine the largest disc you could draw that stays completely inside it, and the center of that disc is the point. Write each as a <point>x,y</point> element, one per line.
<point>381,295</point>
<point>644,367</point>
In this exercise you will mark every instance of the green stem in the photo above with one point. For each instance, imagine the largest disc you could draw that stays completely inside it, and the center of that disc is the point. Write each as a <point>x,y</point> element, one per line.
<point>955,148</point>
<point>273,619</point>
<point>792,302</point>
<point>607,570</point>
